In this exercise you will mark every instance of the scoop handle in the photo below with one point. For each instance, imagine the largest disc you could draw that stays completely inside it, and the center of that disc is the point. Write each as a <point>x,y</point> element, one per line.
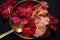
<point>6,33</point>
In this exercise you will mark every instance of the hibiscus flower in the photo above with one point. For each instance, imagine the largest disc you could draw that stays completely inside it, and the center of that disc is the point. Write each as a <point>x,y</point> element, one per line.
<point>6,8</point>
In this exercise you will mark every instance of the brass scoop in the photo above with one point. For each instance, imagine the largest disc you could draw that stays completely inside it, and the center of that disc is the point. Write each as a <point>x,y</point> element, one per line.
<point>18,30</point>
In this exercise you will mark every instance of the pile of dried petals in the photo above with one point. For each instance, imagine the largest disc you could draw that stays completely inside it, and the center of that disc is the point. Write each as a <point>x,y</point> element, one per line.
<point>22,16</point>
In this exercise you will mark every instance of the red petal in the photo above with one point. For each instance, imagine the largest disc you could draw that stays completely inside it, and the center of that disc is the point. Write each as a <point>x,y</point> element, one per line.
<point>15,20</point>
<point>30,29</point>
<point>53,27</point>
<point>53,23</point>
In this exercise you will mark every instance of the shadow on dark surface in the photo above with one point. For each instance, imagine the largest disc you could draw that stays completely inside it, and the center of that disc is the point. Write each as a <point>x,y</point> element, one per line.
<point>53,9</point>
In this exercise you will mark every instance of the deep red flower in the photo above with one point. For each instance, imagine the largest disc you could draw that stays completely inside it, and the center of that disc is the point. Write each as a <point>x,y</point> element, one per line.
<point>53,22</point>
<point>6,8</point>
<point>5,11</point>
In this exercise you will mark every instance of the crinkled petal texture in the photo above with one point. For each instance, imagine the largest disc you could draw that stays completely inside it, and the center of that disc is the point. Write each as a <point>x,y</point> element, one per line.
<point>53,23</point>
<point>23,14</point>
<point>41,25</point>
<point>44,3</point>
<point>6,8</point>
<point>29,29</point>
<point>24,11</point>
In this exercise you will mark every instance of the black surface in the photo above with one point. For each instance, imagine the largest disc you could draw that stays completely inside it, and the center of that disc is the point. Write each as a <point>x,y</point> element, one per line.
<point>53,9</point>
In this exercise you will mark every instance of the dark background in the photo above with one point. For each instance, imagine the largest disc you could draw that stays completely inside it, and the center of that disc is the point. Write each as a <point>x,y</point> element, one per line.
<point>53,9</point>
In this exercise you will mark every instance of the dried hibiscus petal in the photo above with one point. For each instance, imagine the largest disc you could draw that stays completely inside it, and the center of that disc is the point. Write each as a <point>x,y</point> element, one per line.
<point>53,27</point>
<point>53,22</point>
<point>29,30</point>
<point>21,11</point>
<point>15,20</point>
<point>6,8</point>
<point>24,21</point>
<point>26,32</point>
<point>44,3</point>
